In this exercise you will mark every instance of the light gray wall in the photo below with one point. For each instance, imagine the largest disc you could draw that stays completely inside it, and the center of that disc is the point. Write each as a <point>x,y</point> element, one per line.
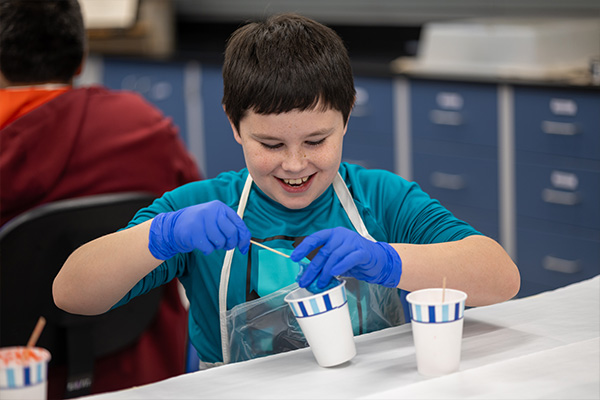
<point>382,12</point>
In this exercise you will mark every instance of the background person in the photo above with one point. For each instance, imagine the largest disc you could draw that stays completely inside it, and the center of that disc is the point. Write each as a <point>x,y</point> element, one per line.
<point>60,142</point>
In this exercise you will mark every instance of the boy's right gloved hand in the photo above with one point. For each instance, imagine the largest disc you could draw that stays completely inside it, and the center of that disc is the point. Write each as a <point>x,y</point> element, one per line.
<point>343,252</point>
<point>206,227</point>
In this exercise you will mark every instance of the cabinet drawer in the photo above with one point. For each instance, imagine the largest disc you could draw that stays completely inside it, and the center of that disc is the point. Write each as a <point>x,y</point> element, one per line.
<point>368,155</point>
<point>456,112</point>
<point>458,180</point>
<point>223,153</point>
<point>559,194</point>
<point>561,122</point>
<point>549,260</point>
<point>372,118</point>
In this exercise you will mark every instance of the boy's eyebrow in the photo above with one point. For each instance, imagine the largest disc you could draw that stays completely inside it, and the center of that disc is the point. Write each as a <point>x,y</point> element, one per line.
<point>320,132</point>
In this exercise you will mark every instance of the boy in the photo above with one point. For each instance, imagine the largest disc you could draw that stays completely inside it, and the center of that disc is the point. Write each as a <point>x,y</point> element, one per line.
<point>288,94</point>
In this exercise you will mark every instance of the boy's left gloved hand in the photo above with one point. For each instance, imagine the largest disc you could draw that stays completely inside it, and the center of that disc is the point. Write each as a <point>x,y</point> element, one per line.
<point>346,253</point>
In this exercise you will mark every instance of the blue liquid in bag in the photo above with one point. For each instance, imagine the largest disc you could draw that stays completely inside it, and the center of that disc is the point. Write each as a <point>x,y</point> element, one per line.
<point>313,286</point>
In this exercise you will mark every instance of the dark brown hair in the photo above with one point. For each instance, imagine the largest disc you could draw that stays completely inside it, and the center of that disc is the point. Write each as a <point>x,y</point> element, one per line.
<point>41,41</point>
<point>287,62</point>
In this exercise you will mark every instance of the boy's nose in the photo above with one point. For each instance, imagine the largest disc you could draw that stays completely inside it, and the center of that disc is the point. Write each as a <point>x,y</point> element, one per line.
<point>294,161</point>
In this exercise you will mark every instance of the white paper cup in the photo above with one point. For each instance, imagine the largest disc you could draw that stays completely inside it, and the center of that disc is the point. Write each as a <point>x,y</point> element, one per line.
<point>437,329</point>
<point>24,373</point>
<point>325,321</point>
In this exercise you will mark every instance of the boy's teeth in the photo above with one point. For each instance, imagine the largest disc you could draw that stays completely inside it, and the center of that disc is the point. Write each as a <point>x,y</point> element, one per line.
<point>296,181</point>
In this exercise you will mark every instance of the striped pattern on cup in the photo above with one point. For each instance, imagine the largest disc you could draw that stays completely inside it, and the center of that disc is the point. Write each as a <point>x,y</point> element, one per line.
<point>437,313</point>
<point>426,305</point>
<point>19,373</point>
<point>319,303</point>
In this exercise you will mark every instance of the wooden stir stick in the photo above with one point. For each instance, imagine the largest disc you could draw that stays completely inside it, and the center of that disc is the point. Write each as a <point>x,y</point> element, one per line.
<point>37,331</point>
<point>35,335</point>
<point>270,249</point>
<point>444,289</point>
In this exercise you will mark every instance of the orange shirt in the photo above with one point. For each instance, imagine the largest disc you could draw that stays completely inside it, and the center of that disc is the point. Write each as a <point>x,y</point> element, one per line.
<point>15,102</point>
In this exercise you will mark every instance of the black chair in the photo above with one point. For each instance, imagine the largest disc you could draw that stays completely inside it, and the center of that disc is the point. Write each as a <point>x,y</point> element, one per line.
<point>33,248</point>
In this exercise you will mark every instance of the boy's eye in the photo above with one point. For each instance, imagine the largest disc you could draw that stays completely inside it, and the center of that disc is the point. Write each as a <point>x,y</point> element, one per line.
<point>318,142</point>
<point>279,145</point>
<point>272,146</point>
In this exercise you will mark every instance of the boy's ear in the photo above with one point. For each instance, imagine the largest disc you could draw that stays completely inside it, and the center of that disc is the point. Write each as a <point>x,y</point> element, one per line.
<point>349,115</point>
<point>236,134</point>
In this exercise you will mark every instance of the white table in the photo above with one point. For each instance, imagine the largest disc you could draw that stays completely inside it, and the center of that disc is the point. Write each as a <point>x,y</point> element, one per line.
<point>542,347</point>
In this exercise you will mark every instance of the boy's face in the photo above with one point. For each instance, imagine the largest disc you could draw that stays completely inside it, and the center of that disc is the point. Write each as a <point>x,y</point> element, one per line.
<point>294,156</point>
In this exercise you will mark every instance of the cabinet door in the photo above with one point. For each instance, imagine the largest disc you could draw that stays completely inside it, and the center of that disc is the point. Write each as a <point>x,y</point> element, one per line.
<point>463,186</point>
<point>465,181</point>
<point>559,193</point>
<point>454,112</point>
<point>557,138</point>
<point>369,140</point>
<point>558,121</point>
<point>454,129</point>
<point>223,153</point>
<point>555,257</point>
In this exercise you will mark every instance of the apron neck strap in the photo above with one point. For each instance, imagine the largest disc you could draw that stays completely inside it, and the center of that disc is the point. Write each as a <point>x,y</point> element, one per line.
<point>343,194</point>
<point>225,271</point>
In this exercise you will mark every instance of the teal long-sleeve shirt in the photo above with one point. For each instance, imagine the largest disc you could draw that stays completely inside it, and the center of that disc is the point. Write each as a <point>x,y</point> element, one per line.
<point>393,210</point>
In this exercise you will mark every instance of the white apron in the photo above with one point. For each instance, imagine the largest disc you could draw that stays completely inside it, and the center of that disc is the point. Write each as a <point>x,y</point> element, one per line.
<point>378,306</point>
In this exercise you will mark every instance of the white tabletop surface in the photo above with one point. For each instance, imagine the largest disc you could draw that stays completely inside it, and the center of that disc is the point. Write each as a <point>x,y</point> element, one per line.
<point>542,347</point>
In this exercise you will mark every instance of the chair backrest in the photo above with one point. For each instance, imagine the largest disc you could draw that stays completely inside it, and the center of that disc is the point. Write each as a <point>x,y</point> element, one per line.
<point>33,248</point>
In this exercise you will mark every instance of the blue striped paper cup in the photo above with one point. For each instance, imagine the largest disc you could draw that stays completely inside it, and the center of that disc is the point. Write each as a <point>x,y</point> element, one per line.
<point>325,322</point>
<point>426,305</point>
<point>23,372</point>
<point>306,304</point>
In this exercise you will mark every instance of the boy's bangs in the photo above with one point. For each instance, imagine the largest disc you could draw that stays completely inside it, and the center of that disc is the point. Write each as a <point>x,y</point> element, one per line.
<point>283,100</point>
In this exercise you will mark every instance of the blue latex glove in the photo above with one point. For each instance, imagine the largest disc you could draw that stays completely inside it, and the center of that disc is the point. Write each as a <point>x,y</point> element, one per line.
<point>346,253</point>
<point>206,227</point>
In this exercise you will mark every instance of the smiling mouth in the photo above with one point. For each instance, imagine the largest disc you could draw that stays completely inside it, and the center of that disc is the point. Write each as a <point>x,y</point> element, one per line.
<point>296,182</point>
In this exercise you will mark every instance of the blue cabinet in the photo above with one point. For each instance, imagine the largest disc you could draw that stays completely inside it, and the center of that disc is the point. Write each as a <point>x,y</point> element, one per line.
<point>454,112</point>
<point>554,151</point>
<point>369,139</point>
<point>454,132</point>
<point>557,137</point>
<point>551,189</point>
<point>558,121</point>
<point>223,153</point>
<point>552,256</point>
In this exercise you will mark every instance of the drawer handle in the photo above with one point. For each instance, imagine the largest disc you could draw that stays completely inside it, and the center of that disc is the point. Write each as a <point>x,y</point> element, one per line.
<point>560,197</point>
<point>559,128</point>
<point>556,264</point>
<point>440,117</point>
<point>442,180</point>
